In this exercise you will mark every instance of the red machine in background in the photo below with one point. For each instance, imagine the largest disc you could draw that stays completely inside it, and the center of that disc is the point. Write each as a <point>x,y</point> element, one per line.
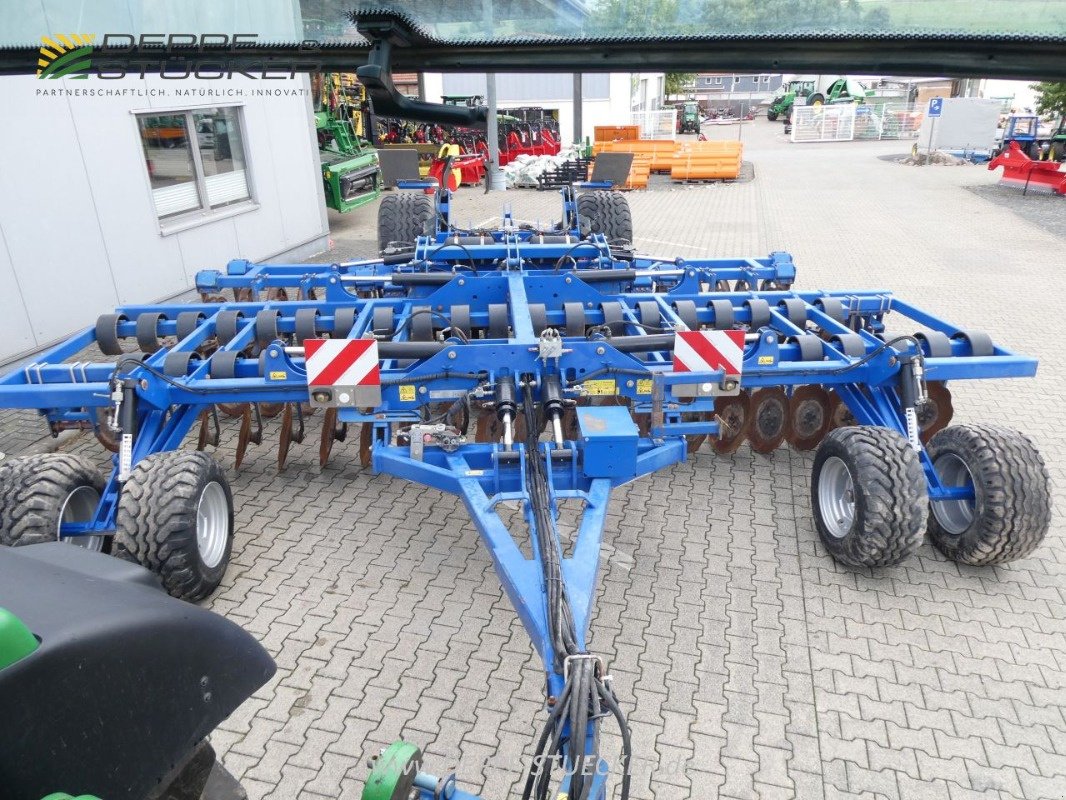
<point>1022,171</point>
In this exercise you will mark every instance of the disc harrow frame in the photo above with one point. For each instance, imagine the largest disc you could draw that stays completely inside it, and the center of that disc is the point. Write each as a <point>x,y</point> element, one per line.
<point>546,325</point>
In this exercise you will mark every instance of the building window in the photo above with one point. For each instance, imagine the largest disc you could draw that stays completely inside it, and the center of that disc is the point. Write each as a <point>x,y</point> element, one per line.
<point>195,160</point>
<point>736,79</point>
<point>718,80</point>
<point>766,79</point>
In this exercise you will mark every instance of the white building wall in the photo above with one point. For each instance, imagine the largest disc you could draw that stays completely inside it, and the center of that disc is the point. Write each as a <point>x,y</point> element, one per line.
<point>78,228</point>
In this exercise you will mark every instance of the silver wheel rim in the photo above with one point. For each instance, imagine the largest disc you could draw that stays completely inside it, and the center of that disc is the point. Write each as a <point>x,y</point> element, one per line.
<point>80,506</point>
<point>954,516</point>
<point>836,497</point>
<point>212,524</point>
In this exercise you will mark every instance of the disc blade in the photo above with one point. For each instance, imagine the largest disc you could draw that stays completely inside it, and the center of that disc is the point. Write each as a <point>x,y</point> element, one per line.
<point>935,414</point>
<point>840,415</point>
<point>734,421</point>
<point>769,419</point>
<point>809,417</point>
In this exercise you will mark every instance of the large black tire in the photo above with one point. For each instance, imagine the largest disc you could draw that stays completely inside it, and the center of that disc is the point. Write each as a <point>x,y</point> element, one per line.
<point>403,217</point>
<point>39,492</point>
<point>815,99</point>
<point>607,213</point>
<point>161,512</point>
<point>771,115</point>
<point>886,487</point>
<point>1011,510</point>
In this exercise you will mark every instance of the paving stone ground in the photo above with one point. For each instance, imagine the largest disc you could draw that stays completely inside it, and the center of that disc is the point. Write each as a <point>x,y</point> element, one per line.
<point>750,664</point>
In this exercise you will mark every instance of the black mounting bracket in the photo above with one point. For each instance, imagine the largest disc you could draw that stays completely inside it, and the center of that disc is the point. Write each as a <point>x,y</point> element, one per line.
<point>376,77</point>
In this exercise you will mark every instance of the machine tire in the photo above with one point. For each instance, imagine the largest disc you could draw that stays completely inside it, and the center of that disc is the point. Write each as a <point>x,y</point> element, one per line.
<point>883,475</point>
<point>1011,511</point>
<point>35,493</point>
<point>403,217</point>
<point>160,515</point>
<point>607,213</point>
<point>815,99</point>
<point>771,115</point>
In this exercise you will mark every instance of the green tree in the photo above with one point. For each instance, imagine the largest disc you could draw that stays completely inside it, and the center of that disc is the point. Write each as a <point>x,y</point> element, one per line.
<point>1050,99</point>
<point>677,82</point>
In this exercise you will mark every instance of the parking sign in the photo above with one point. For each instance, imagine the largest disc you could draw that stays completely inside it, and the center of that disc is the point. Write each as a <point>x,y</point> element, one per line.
<point>936,105</point>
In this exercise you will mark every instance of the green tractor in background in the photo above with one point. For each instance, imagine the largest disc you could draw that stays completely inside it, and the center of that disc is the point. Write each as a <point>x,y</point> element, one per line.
<point>688,117</point>
<point>815,90</point>
<point>351,175</point>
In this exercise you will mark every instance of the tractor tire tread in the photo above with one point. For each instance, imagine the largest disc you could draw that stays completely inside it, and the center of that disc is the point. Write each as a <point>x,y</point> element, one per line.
<point>1013,506</point>
<point>403,217</point>
<point>156,521</point>
<point>894,505</point>
<point>607,213</point>
<point>33,490</point>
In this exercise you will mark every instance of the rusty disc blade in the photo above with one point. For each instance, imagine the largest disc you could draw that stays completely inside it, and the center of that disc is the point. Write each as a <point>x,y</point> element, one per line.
<point>489,429</point>
<point>840,415</point>
<point>808,410</point>
<point>734,421</point>
<point>232,409</point>
<point>277,293</point>
<point>271,410</point>
<point>286,436</point>
<point>769,419</point>
<point>366,443</point>
<point>694,441</point>
<point>211,298</point>
<point>244,436</point>
<point>722,286</point>
<point>643,423</point>
<point>935,414</point>
<point>104,435</point>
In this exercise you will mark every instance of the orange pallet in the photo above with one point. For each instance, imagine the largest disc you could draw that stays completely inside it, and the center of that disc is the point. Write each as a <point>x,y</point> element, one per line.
<point>658,151</point>
<point>614,133</point>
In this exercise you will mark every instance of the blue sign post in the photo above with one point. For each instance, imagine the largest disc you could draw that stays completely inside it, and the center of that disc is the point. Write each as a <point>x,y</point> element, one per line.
<point>936,108</point>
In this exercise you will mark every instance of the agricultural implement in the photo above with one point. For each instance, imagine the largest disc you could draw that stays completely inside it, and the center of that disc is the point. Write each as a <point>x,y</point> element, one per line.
<point>529,364</point>
<point>351,176</point>
<point>1027,173</point>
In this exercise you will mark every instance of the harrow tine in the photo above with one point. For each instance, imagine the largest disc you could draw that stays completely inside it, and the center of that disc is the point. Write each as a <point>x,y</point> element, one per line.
<point>366,442</point>
<point>809,416</point>
<point>207,435</point>
<point>331,433</point>
<point>770,421</point>
<point>247,434</point>
<point>290,433</point>
<point>734,421</point>
<point>936,412</point>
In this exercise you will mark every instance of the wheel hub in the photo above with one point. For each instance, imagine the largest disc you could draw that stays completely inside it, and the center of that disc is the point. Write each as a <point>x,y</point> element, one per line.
<point>954,516</point>
<point>80,506</point>
<point>212,524</point>
<point>836,497</point>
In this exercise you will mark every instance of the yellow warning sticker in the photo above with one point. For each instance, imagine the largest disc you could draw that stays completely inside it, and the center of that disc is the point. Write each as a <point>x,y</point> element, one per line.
<point>279,375</point>
<point>601,388</point>
<point>764,360</point>
<point>407,393</point>
<point>644,386</point>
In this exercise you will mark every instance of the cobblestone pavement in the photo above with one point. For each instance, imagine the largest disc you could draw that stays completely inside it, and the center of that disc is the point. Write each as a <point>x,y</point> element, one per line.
<point>750,664</point>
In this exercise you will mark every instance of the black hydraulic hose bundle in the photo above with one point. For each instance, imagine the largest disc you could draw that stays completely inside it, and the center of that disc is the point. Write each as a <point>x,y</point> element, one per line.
<point>585,693</point>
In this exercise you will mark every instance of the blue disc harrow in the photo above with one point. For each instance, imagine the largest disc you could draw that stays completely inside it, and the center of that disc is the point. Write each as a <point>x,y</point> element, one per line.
<point>537,365</point>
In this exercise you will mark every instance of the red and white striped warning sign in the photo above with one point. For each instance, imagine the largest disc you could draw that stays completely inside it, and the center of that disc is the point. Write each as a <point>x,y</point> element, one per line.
<point>707,351</point>
<point>342,362</point>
